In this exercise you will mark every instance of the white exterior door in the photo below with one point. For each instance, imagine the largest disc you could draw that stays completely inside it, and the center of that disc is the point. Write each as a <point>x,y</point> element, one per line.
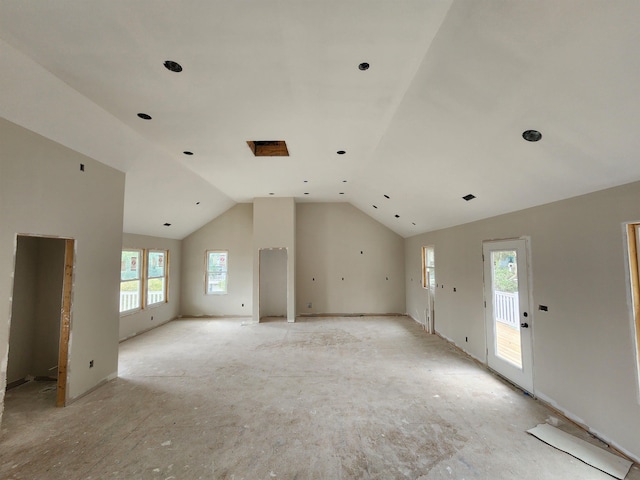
<point>508,319</point>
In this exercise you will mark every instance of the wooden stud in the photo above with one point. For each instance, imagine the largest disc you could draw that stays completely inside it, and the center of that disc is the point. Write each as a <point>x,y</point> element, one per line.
<point>65,324</point>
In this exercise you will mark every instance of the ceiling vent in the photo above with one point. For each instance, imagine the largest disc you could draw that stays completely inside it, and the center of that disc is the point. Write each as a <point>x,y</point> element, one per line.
<point>268,148</point>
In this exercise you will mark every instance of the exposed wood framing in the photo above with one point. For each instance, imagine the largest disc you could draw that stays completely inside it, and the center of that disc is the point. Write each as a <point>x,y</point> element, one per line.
<point>632,238</point>
<point>65,324</point>
<point>268,148</point>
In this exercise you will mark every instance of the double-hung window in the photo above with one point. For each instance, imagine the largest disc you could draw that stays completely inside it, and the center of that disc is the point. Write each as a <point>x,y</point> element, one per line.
<point>216,274</point>
<point>144,277</point>
<point>156,277</point>
<point>130,280</point>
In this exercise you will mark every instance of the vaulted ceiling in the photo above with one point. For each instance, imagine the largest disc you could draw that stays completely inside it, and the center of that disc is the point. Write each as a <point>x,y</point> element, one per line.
<point>439,114</point>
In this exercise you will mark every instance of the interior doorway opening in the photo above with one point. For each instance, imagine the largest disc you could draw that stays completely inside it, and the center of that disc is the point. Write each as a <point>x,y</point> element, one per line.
<point>41,313</point>
<point>273,283</point>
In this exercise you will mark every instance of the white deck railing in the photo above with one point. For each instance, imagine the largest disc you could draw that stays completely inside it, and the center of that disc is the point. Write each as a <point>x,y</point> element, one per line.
<point>506,308</point>
<point>131,300</point>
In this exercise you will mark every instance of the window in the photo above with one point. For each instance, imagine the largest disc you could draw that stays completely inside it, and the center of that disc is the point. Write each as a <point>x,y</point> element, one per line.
<point>428,268</point>
<point>216,276</point>
<point>633,238</point>
<point>130,284</point>
<point>156,277</point>
<point>143,271</point>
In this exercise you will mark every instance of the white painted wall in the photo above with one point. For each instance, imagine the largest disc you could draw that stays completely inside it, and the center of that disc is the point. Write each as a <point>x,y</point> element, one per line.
<point>43,191</point>
<point>23,311</point>
<point>332,273</point>
<point>151,317</point>
<point>274,226</point>
<point>232,231</point>
<point>584,352</point>
<point>273,282</point>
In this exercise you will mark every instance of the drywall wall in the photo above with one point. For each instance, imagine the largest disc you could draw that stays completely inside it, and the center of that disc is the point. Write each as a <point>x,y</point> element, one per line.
<point>151,317</point>
<point>347,262</point>
<point>584,352</point>
<point>43,191</point>
<point>274,226</point>
<point>231,231</point>
<point>273,282</point>
<point>46,337</point>
<point>23,310</point>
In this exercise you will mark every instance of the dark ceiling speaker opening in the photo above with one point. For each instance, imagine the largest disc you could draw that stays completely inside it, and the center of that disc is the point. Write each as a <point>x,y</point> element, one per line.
<point>167,224</point>
<point>341,152</point>
<point>363,66</point>
<point>469,197</point>
<point>144,116</point>
<point>173,66</point>
<point>531,135</point>
<point>186,152</point>
<point>268,148</point>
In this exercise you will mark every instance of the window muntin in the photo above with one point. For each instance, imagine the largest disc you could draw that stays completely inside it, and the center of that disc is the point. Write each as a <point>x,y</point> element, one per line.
<point>130,280</point>
<point>156,277</point>
<point>216,274</point>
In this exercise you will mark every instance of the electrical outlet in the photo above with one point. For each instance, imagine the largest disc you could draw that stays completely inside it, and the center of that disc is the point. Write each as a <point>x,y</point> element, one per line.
<point>90,363</point>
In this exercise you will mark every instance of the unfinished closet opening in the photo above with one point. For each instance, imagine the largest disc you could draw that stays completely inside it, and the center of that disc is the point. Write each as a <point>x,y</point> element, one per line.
<point>273,283</point>
<point>40,315</point>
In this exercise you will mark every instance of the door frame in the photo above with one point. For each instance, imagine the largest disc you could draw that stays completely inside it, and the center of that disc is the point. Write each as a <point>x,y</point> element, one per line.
<point>65,311</point>
<point>523,378</point>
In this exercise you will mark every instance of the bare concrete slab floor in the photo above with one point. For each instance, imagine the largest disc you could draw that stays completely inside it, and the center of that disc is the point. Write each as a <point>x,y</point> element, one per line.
<point>324,398</point>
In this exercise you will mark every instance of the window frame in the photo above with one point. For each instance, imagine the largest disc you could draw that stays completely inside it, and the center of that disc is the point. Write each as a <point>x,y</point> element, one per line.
<point>141,269</point>
<point>207,272</point>
<point>148,278</point>
<point>425,264</point>
<point>633,250</point>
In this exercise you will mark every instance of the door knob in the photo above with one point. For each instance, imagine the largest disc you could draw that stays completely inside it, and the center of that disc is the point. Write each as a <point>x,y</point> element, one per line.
<point>524,325</point>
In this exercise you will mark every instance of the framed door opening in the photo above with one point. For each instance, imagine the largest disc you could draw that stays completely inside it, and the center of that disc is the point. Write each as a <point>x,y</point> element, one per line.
<point>273,284</point>
<point>40,323</point>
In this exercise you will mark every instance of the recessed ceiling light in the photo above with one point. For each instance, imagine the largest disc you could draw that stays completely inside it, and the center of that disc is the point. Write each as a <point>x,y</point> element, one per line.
<point>187,152</point>
<point>341,152</point>
<point>363,66</point>
<point>386,196</point>
<point>469,197</point>
<point>531,135</point>
<point>173,66</point>
<point>167,224</point>
<point>144,116</point>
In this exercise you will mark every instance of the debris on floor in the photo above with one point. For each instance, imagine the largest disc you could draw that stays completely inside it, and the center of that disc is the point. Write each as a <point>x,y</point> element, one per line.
<point>590,454</point>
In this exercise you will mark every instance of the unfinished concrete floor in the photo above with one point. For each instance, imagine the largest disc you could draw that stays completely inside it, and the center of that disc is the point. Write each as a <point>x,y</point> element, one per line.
<point>324,398</point>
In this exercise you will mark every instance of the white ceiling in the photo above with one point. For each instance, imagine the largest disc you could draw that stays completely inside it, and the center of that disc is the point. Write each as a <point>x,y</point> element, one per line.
<point>440,113</point>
